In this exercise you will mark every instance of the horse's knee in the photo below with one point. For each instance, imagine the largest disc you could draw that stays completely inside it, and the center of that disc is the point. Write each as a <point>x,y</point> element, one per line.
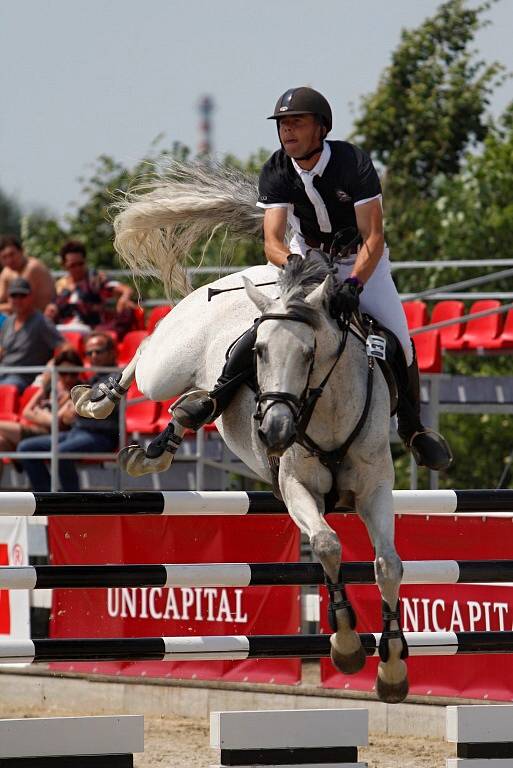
<point>326,547</point>
<point>388,569</point>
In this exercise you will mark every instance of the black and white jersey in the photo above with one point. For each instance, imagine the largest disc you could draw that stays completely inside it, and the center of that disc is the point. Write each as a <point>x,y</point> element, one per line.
<point>321,201</point>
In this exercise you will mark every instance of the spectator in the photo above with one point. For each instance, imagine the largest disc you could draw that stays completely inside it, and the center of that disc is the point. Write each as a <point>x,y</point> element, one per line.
<point>16,264</point>
<point>88,297</point>
<point>85,436</point>
<point>37,416</point>
<point>27,337</point>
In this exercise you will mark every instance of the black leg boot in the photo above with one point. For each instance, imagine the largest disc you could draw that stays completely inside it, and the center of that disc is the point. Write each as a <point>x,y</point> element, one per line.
<point>194,413</point>
<point>429,449</point>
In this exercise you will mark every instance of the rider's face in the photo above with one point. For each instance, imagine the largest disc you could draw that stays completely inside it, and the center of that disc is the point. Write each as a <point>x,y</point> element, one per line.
<point>299,134</point>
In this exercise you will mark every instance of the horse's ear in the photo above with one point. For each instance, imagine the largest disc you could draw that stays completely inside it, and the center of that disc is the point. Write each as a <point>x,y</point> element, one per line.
<point>318,298</point>
<point>257,297</point>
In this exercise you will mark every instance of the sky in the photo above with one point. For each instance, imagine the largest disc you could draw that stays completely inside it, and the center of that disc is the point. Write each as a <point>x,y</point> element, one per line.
<point>80,79</point>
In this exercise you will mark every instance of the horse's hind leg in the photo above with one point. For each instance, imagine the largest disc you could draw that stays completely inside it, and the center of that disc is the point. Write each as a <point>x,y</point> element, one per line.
<point>377,511</point>
<point>306,508</point>
<point>98,402</point>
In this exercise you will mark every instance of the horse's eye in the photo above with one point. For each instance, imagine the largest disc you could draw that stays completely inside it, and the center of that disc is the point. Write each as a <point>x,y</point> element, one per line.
<point>259,350</point>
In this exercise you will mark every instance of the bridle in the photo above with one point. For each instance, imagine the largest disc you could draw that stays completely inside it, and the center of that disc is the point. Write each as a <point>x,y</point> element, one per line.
<point>302,407</point>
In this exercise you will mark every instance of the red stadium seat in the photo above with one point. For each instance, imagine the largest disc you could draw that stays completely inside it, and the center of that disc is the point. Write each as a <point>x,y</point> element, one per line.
<point>9,399</point>
<point>75,339</point>
<point>139,319</point>
<point>128,347</point>
<point>143,416</point>
<point>429,351</point>
<point>505,340</point>
<point>483,331</point>
<point>156,314</point>
<point>27,395</point>
<point>451,335</point>
<point>416,313</point>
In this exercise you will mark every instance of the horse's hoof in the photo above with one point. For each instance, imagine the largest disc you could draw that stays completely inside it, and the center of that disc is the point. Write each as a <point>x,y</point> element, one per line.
<point>392,693</point>
<point>348,664</point>
<point>134,462</point>
<point>81,398</point>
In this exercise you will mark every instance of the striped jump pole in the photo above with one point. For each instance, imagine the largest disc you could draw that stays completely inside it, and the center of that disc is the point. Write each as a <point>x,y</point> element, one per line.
<point>238,647</point>
<point>245,574</point>
<point>184,503</point>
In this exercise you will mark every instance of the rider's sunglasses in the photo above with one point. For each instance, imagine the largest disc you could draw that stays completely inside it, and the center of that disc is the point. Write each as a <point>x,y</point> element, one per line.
<point>99,351</point>
<point>19,295</point>
<point>73,264</point>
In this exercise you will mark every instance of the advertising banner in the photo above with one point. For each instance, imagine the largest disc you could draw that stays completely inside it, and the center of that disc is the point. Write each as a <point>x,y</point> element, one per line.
<point>14,604</point>
<point>437,607</point>
<point>178,611</point>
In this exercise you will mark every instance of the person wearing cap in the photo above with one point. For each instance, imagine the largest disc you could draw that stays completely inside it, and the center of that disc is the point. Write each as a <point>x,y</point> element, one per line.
<point>26,337</point>
<point>15,264</point>
<point>328,195</point>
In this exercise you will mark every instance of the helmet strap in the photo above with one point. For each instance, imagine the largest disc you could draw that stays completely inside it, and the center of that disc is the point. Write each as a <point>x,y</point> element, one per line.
<point>309,155</point>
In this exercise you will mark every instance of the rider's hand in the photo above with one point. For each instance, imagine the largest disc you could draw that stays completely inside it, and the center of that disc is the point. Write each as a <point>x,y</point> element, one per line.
<point>346,299</point>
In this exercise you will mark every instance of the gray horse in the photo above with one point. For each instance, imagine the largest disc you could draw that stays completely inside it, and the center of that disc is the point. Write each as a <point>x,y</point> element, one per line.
<point>316,410</point>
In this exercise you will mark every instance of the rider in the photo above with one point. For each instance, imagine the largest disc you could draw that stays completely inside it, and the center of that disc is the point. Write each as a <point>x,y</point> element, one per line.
<point>326,192</point>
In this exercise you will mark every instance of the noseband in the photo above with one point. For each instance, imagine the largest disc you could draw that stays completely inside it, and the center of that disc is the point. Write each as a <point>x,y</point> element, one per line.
<point>301,407</point>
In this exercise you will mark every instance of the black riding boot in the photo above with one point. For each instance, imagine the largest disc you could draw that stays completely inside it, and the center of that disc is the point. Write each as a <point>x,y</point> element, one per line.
<point>195,413</point>
<point>429,449</point>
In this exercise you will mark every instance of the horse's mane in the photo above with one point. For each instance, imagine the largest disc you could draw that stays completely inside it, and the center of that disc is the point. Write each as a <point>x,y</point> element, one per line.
<point>298,278</point>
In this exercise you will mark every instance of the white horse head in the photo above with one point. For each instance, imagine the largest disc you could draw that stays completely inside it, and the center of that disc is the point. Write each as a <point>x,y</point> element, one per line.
<point>287,348</point>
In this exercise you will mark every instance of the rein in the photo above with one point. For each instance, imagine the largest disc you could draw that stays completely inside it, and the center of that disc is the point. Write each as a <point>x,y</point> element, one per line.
<point>302,407</point>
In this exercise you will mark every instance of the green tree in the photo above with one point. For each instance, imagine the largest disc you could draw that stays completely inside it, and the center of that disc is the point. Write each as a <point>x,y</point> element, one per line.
<point>428,109</point>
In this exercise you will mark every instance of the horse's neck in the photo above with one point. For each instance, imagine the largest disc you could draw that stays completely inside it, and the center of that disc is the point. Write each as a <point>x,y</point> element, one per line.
<point>346,386</point>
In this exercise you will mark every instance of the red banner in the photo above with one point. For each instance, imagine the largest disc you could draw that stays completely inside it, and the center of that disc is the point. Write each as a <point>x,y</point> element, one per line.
<point>458,607</point>
<point>183,611</point>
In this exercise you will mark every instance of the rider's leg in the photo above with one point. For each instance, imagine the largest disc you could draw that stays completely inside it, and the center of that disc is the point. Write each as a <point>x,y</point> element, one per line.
<point>381,300</point>
<point>194,413</point>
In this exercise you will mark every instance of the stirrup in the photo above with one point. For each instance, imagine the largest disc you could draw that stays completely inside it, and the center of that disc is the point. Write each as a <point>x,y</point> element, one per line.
<point>391,634</point>
<point>441,455</point>
<point>188,420</point>
<point>110,389</point>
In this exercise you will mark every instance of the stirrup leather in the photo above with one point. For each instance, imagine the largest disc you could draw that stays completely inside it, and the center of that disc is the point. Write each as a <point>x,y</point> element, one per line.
<point>338,605</point>
<point>391,634</point>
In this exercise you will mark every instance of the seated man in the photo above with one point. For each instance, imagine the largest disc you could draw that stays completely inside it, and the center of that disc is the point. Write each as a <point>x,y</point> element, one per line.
<point>27,337</point>
<point>16,264</point>
<point>85,436</point>
<point>88,297</point>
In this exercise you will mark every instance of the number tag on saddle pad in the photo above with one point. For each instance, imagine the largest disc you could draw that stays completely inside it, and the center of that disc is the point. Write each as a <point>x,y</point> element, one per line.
<point>376,346</point>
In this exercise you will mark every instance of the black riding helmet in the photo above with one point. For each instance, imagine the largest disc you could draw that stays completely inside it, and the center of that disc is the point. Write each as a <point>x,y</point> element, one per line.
<point>303,101</point>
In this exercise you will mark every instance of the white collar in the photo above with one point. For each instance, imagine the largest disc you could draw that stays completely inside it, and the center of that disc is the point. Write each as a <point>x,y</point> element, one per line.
<point>320,165</point>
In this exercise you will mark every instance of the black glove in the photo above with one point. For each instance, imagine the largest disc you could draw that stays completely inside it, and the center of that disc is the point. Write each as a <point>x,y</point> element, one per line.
<point>346,298</point>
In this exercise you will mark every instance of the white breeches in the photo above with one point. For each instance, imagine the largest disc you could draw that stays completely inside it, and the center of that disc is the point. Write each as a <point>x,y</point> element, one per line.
<point>380,299</point>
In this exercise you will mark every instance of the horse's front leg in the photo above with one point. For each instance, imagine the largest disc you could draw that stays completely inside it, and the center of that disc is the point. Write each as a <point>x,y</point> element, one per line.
<point>377,510</point>
<point>304,497</point>
<point>98,401</point>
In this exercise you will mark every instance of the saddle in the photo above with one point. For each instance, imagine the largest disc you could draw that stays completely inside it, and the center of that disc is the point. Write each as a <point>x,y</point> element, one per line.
<point>393,365</point>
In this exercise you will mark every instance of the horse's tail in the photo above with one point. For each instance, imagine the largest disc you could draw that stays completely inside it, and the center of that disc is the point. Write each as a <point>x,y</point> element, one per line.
<point>158,223</point>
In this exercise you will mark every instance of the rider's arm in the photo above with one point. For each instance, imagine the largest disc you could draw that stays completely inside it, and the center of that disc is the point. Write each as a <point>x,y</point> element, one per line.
<point>275,227</point>
<point>369,218</point>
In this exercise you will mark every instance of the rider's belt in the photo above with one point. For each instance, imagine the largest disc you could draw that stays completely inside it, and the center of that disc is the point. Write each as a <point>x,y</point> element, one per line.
<point>321,245</point>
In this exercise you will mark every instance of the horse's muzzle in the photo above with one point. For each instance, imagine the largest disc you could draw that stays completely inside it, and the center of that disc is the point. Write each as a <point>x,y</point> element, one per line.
<point>277,430</point>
